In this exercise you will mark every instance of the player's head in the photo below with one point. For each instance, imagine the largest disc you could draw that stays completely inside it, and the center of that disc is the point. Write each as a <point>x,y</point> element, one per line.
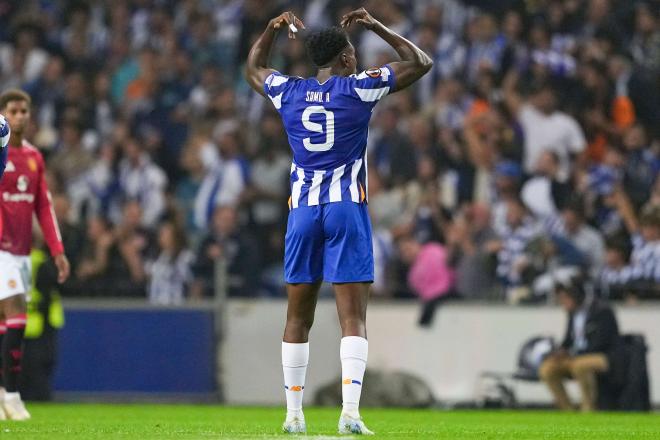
<point>15,106</point>
<point>332,48</point>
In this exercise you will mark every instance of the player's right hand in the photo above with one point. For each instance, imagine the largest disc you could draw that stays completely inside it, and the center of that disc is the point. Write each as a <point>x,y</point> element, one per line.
<point>63,268</point>
<point>360,16</point>
<point>285,20</point>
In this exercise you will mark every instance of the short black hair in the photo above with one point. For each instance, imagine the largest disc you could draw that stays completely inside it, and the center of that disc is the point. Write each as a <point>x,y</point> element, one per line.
<point>575,204</point>
<point>323,46</point>
<point>621,244</point>
<point>574,287</point>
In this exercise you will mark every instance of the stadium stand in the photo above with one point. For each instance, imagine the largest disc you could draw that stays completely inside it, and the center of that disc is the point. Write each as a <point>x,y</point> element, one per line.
<point>532,150</point>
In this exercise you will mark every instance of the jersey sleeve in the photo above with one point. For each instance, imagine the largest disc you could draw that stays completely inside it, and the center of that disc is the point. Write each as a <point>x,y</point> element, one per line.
<point>372,85</point>
<point>46,213</point>
<point>275,86</point>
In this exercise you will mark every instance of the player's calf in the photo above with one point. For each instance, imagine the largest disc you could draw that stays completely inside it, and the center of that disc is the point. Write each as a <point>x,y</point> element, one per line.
<point>12,356</point>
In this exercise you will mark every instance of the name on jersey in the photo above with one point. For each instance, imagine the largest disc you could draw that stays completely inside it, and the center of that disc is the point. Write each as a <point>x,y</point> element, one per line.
<point>8,197</point>
<point>317,96</point>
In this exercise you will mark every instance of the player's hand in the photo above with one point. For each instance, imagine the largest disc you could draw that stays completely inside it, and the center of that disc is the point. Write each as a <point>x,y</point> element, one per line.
<point>285,20</point>
<point>63,268</point>
<point>360,16</point>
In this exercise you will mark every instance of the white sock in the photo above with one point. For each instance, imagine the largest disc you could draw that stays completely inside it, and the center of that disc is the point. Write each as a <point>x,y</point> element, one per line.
<point>295,358</point>
<point>353,352</point>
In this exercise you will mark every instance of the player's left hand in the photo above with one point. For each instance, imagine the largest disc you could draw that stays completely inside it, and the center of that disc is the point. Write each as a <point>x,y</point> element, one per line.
<point>360,16</point>
<point>63,268</point>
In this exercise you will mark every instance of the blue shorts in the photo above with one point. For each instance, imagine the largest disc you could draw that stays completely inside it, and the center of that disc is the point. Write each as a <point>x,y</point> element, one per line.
<point>330,242</point>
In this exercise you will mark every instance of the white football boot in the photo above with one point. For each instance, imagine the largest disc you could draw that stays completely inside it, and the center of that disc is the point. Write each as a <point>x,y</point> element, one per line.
<point>349,424</point>
<point>14,408</point>
<point>295,423</point>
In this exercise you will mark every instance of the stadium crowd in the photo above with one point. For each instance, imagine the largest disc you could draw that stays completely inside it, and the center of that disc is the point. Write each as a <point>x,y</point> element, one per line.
<point>529,153</point>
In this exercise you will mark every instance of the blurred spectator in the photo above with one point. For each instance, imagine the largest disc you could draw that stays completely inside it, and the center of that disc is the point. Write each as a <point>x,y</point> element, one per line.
<point>545,194</point>
<point>22,59</point>
<point>645,43</point>
<point>544,127</point>
<point>143,181</point>
<point>71,160</point>
<point>519,231</point>
<point>430,277</point>
<point>170,274</point>
<point>222,185</point>
<point>91,273</point>
<point>616,278</point>
<point>239,250</point>
<point>572,226</point>
<point>113,260</point>
<point>471,246</point>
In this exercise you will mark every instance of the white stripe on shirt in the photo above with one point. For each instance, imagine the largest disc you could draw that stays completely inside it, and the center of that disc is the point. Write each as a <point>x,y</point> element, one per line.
<point>297,187</point>
<point>371,95</point>
<point>355,195</point>
<point>335,184</point>
<point>277,100</point>
<point>276,80</point>
<point>315,189</point>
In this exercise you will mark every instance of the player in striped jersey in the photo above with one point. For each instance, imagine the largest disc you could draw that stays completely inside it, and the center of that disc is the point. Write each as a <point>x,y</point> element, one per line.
<point>329,233</point>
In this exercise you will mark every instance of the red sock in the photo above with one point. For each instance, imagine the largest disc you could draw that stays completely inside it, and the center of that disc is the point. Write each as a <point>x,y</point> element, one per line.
<point>3,330</point>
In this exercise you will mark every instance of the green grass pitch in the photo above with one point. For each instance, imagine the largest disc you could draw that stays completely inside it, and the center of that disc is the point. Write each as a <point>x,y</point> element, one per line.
<point>146,422</point>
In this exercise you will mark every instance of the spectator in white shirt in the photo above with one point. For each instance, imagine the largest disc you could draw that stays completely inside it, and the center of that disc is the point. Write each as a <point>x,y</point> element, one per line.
<point>142,180</point>
<point>545,128</point>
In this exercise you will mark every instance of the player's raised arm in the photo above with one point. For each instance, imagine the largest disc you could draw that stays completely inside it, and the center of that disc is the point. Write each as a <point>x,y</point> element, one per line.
<point>257,69</point>
<point>414,62</point>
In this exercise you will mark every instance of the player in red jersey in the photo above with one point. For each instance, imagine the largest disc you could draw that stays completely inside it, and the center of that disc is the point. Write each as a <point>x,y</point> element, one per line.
<point>23,193</point>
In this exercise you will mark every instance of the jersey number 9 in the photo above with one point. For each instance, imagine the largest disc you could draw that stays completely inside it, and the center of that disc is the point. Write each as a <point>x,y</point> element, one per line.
<point>318,128</point>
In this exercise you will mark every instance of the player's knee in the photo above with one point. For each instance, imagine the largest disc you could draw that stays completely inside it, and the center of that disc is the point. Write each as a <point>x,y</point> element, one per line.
<point>579,369</point>
<point>300,323</point>
<point>548,370</point>
<point>14,305</point>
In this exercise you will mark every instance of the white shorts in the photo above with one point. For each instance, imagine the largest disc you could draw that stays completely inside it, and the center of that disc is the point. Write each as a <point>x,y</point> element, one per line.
<point>15,274</point>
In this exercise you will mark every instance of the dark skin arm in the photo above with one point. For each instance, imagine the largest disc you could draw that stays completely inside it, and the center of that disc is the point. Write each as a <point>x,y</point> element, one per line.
<point>414,62</point>
<point>257,69</point>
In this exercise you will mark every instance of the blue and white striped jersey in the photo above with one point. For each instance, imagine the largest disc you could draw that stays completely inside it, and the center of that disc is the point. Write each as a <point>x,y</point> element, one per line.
<point>327,125</point>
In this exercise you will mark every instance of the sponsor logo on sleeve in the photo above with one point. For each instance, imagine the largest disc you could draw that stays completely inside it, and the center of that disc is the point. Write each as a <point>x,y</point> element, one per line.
<point>374,72</point>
